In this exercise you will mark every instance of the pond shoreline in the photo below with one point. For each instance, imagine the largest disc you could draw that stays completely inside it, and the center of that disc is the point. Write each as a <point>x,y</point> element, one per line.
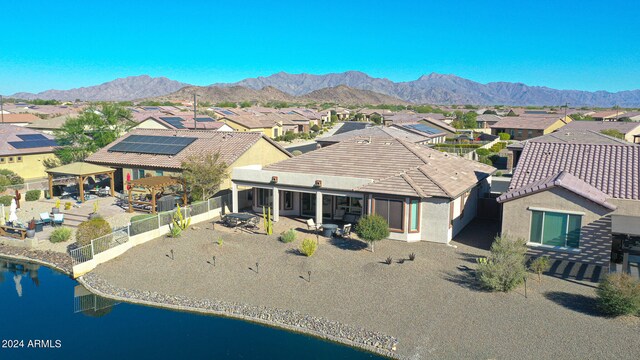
<point>374,342</point>
<point>55,260</point>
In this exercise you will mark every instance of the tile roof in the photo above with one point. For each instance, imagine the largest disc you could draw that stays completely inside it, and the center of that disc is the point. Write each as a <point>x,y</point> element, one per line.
<point>9,133</point>
<point>604,114</point>
<point>52,123</point>
<point>565,180</point>
<point>488,118</point>
<point>378,131</point>
<point>565,135</point>
<point>622,126</point>
<point>19,118</point>
<point>394,166</point>
<point>415,118</point>
<point>230,145</point>
<point>612,169</point>
<point>253,121</point>
<point>534,122</point>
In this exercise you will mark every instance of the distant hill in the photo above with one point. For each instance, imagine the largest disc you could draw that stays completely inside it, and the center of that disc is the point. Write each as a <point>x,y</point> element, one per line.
<point>129,88</point>
<point>340,94</point>
<point>444,89</point>
<point>351,87</point>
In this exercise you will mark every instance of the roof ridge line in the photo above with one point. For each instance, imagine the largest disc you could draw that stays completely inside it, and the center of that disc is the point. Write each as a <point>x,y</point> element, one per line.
<point>413,185</point>
<point>435,182</point>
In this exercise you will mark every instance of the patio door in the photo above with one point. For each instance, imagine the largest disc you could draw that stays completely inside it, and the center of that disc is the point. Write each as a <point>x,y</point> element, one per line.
<point>327,207</point>
<point>308,204</point>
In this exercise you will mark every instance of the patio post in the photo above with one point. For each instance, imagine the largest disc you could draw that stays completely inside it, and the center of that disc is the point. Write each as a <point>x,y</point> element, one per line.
<point>318,207</point>
<point>112,182</point>
<point>130,199</point>
<point>234,197</point>
<point>276,204</point>
<point>81,188</point>
<point>50,186</point>
<point>153,200</point>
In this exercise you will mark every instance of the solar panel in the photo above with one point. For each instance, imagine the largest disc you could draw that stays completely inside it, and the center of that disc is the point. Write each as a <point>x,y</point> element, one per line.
<point>29,137</point>
<point>228,112</point>
<point>204,119</point>
<point>147,144</point>
<point>33,144</point>
<point>424,128</point>
<point>174,121</point>
<point>151,108</point>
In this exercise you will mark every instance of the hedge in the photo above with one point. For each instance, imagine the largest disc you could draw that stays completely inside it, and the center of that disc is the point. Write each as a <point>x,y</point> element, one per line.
<point>32,195</point>
<point>6,200</point>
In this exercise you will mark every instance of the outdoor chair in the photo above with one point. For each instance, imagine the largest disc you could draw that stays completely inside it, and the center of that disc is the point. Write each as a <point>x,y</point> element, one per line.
<point>311,225</point>
<point>344,232</point>
<point>339,214</point>
<point>45,218</point>
<point>58,219</point>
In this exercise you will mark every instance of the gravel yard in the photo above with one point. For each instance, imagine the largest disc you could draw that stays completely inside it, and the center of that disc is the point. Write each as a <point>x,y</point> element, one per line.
<point>431,305</point>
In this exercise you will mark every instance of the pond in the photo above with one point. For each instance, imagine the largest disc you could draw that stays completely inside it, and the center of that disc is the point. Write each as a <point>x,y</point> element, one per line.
<point>47,315</point>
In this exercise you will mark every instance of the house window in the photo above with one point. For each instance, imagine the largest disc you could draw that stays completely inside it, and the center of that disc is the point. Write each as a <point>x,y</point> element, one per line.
<point>349,204</point>
<point>140,173</point>
<point>11,159</point>
<point>19,159</point>
<point>530,134</point>
<point>414,215</point>
<point>519,134</point>
<point>287,200</point>
<point>159,173</point>
<point>263,197</point>
<point>2,160</point>
<point>392,211</point>
<point>555,229</point>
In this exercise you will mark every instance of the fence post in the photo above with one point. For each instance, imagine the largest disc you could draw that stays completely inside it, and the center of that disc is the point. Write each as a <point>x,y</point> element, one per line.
<point>92,251</point>
<point>158,217</point>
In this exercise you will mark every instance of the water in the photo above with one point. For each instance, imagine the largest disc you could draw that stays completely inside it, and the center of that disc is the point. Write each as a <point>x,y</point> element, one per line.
<point>37,303</point>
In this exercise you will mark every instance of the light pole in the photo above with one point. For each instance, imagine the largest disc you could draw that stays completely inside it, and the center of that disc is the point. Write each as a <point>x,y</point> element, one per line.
<point>2,109</point>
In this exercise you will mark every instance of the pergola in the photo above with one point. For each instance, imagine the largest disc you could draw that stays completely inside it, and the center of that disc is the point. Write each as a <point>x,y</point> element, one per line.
<point>81,171</point>
<point>153,184</point>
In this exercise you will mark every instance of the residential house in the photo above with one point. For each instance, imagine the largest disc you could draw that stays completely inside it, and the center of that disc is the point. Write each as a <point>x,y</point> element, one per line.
<point>435,121</point>
<point>629,116</point>
<point>368,113</point>
<point>485,121</point>
<point>393,132</point>
<point>529,126</point>
<point>48,126</point>
<point>563,198</point>
<point>19,119</point>
<point>423,194</point>
<point>630,130</point>
<point>608,115</point>
<point>153,152</point>
<point>182,122</point>
<point>24,151</point>
<point>256,123</point>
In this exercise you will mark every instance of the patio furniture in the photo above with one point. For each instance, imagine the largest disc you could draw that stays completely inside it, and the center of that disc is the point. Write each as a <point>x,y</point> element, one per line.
<point>339,214</point>
<point>344,232</point>
<point>58,219</point>
<point>351,218</point>
<point>39,226</point>
<point>45,218</point>
<point>14,232</point>
<point>243,220</point>
<point>105,191</point>
<point>311,225</point>
<point>329,229</point>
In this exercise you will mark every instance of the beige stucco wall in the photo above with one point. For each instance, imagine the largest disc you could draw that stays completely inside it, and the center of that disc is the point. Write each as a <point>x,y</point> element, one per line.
<point>595,236</point>
<point>150,124</point>
<point>262,153</point>
<point>29,167</point>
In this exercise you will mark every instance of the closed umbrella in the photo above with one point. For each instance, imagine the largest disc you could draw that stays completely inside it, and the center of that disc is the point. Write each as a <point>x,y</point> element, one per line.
<point>12,211</point>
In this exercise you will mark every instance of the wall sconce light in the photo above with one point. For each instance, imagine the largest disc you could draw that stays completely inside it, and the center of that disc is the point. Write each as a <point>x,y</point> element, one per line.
<point>274,179</point>
<point>318,183</point>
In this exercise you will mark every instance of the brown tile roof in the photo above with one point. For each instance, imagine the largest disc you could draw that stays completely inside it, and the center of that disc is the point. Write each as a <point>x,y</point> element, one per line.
<point>378,131</point>
<point>612,169</point>
<point>622,126</point>
<point>396,167</point>
<point>230,145</point>
<point>9,133</point>
<point>253,121</point>
<point>433,119</point>
<point>533,122</point>
<point>565,135</point>
<point>564,180</point>
<point>605,114</point>
<point>19,118</point>
<point>52,123</point>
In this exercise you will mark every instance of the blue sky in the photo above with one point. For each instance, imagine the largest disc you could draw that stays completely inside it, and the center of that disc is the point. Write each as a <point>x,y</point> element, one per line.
<point>585,45</point>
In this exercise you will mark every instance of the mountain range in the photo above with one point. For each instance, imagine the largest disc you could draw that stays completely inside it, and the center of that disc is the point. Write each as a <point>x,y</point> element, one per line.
<point>351,87</point>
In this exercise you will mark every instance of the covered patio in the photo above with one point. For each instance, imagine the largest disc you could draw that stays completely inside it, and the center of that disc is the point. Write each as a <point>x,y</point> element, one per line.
<point>81,171</point>
<point>153,186</point>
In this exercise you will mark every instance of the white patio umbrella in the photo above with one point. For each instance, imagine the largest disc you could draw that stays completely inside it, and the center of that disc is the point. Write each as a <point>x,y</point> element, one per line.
<point>12,211</point>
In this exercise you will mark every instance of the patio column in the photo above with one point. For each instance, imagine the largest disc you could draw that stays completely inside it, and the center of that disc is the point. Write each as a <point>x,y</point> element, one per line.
<point>153,200</point>
<point>81,188</point>
<point>112,183</point>
<point>130,199</point>
<point>276,204</point>
<point>234,197</point>
<point>318,207</point>
<point>50,186</point>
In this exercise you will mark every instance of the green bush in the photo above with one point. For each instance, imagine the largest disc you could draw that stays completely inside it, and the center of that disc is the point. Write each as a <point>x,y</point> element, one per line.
<point>372,228</point>
<point>309,247</point>
<point>504,136</point>
<point>7,178</point>
<point>60,234</point>
<point>141,217</point>
<point>6,200</point>
<point>174,231</point>
<point>296,152</point>
<point>289,136</point>
<point>485,160</point>
<point>92,229</point>
<point>540,265</point>
<point>315,128</point>
<point>483,152</point>
<point>498,146</point>
<point>619,294</point>
<point>288,236</point>
<point>505,268</point>
<point>32,195</point>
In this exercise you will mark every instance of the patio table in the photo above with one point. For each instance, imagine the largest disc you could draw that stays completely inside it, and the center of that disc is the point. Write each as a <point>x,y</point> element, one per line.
<point>329,229</point>
<point>239,219</point>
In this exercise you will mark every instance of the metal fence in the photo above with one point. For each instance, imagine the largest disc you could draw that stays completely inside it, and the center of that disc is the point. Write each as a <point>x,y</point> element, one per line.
<point>117,237</point>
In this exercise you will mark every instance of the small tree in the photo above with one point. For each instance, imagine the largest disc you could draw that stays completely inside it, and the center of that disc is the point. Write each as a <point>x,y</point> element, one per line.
<point>315,128</point>
<point>540,265</point>
<point>376,119</point>
<point>504,269</point>
<point>619,294</point>
<point>504,136</point>
<point>93,229</point>
<point>204,174</point>
<point>372,228</point>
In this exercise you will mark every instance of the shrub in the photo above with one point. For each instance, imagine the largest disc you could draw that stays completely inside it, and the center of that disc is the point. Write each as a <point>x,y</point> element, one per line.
<point>288,236</point>
<point>499,173</point>
<point>6,200</point>
<point>8,177</point>
<point>174,231</point>
<point>540,265</point>
<point>92,229</point>
<point>32,195</point>
<point>372,228</point>
<point>141,217</point>
<point>505,268</point>
<point>220,241</point>
<point>483,152</point>
<point>485,160</point>
<point>309,247</point>
<point>388,260</point>
<point>315,128</point>
<point>60,234</point>
<point>504,136</point>
<point>296,153</point>
<point>619,294</point>
<point>289,136</point>
<point>412,256</point>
